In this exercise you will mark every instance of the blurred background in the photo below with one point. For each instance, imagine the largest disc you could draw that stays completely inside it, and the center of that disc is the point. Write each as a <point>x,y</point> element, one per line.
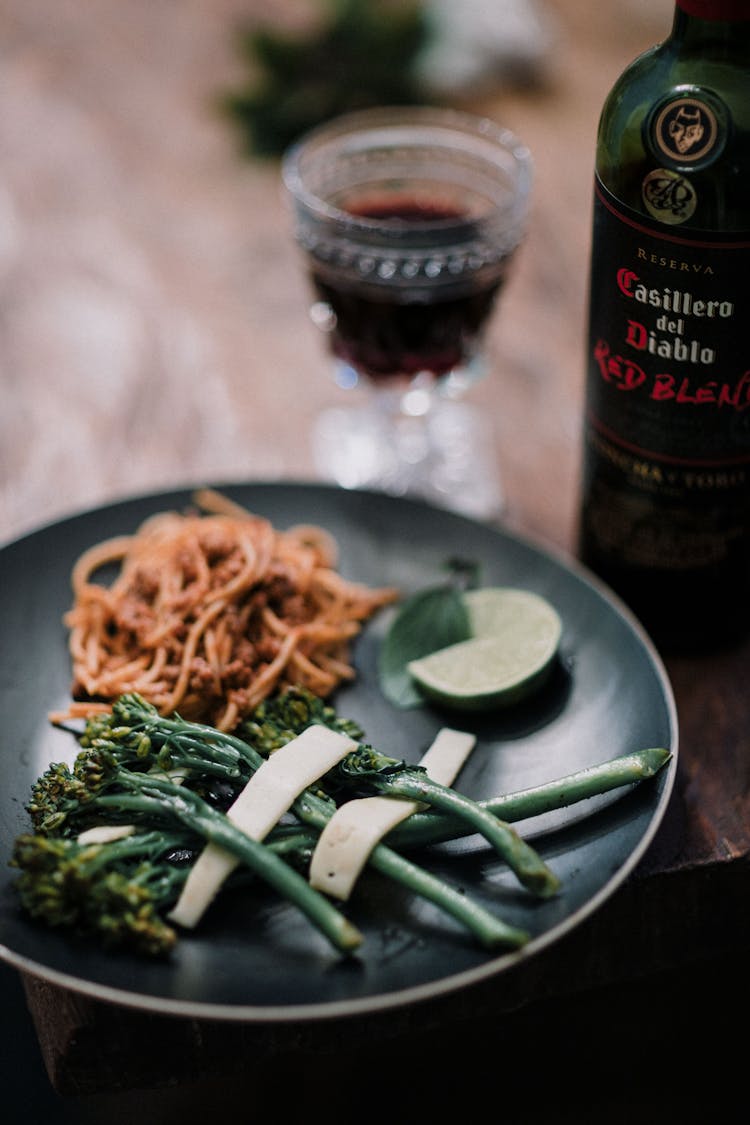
<point>153,313</point>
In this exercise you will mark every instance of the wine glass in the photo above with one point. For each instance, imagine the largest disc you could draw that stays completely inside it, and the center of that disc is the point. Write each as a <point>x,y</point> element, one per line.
<point>408,219</point>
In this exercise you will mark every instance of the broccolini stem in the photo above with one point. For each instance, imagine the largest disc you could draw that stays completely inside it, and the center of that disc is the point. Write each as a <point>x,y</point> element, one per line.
<point>432,827</point>
<point>197,736</point>
<point>489,930</point>
<point>157,795</point>
<point>150,845</point>
<point>522,859</point>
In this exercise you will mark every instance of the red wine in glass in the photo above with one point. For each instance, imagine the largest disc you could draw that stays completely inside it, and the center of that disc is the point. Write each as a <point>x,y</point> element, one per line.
<point>386,332</point>
<point>407,219</point>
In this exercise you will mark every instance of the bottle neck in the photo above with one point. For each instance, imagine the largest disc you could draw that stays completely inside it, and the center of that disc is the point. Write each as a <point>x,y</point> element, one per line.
<point>715,22</point>
<point>725,11</point>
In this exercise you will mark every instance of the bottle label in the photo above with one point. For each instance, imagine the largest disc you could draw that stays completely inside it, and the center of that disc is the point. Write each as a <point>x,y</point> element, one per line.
<point>668,392</point>
<point>686,130</point>
<point>668,196</point>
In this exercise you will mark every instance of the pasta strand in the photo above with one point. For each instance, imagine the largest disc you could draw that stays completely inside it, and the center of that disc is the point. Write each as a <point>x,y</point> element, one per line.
<point>211,611</point>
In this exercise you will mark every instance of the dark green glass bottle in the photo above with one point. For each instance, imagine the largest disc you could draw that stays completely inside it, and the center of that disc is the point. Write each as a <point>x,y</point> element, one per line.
<point>665,497</point>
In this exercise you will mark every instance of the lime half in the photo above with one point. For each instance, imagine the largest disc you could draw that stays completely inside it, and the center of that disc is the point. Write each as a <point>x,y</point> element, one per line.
<point>515,636</point>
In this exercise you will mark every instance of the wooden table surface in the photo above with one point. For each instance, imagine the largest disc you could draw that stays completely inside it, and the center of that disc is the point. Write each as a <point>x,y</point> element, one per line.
<point>153,332</point>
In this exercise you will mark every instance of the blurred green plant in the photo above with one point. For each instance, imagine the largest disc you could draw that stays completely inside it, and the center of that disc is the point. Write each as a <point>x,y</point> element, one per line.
<point>360,53</point>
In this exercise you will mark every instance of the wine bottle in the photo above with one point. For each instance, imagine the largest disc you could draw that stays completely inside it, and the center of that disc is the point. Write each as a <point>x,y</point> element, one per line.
<point>665,491</point>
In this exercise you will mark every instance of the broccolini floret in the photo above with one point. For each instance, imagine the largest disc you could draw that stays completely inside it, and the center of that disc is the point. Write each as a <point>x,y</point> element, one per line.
<point>102,788</point>
<point>114,891</point>
<point>279,719</point>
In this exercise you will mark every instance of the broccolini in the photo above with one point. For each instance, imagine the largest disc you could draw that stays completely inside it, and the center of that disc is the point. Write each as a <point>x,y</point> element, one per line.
<point>171,781</point>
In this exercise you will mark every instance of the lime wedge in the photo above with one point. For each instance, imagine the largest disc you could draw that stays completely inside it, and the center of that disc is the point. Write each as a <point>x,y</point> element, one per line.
<point>515,636</point>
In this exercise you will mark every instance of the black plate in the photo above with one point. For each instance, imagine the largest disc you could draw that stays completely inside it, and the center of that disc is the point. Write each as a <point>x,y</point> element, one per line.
<point>255,958</point>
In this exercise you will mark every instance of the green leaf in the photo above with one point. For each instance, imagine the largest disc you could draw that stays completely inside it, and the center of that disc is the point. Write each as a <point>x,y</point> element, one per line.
<point>358,53</point>
<point>428,620</point>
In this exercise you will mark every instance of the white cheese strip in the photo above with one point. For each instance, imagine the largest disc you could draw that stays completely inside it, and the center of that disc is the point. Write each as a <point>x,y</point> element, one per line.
<point>348,838</point>
<point>447,755</point>
<point>105,833</point>
<point>269,793</point>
